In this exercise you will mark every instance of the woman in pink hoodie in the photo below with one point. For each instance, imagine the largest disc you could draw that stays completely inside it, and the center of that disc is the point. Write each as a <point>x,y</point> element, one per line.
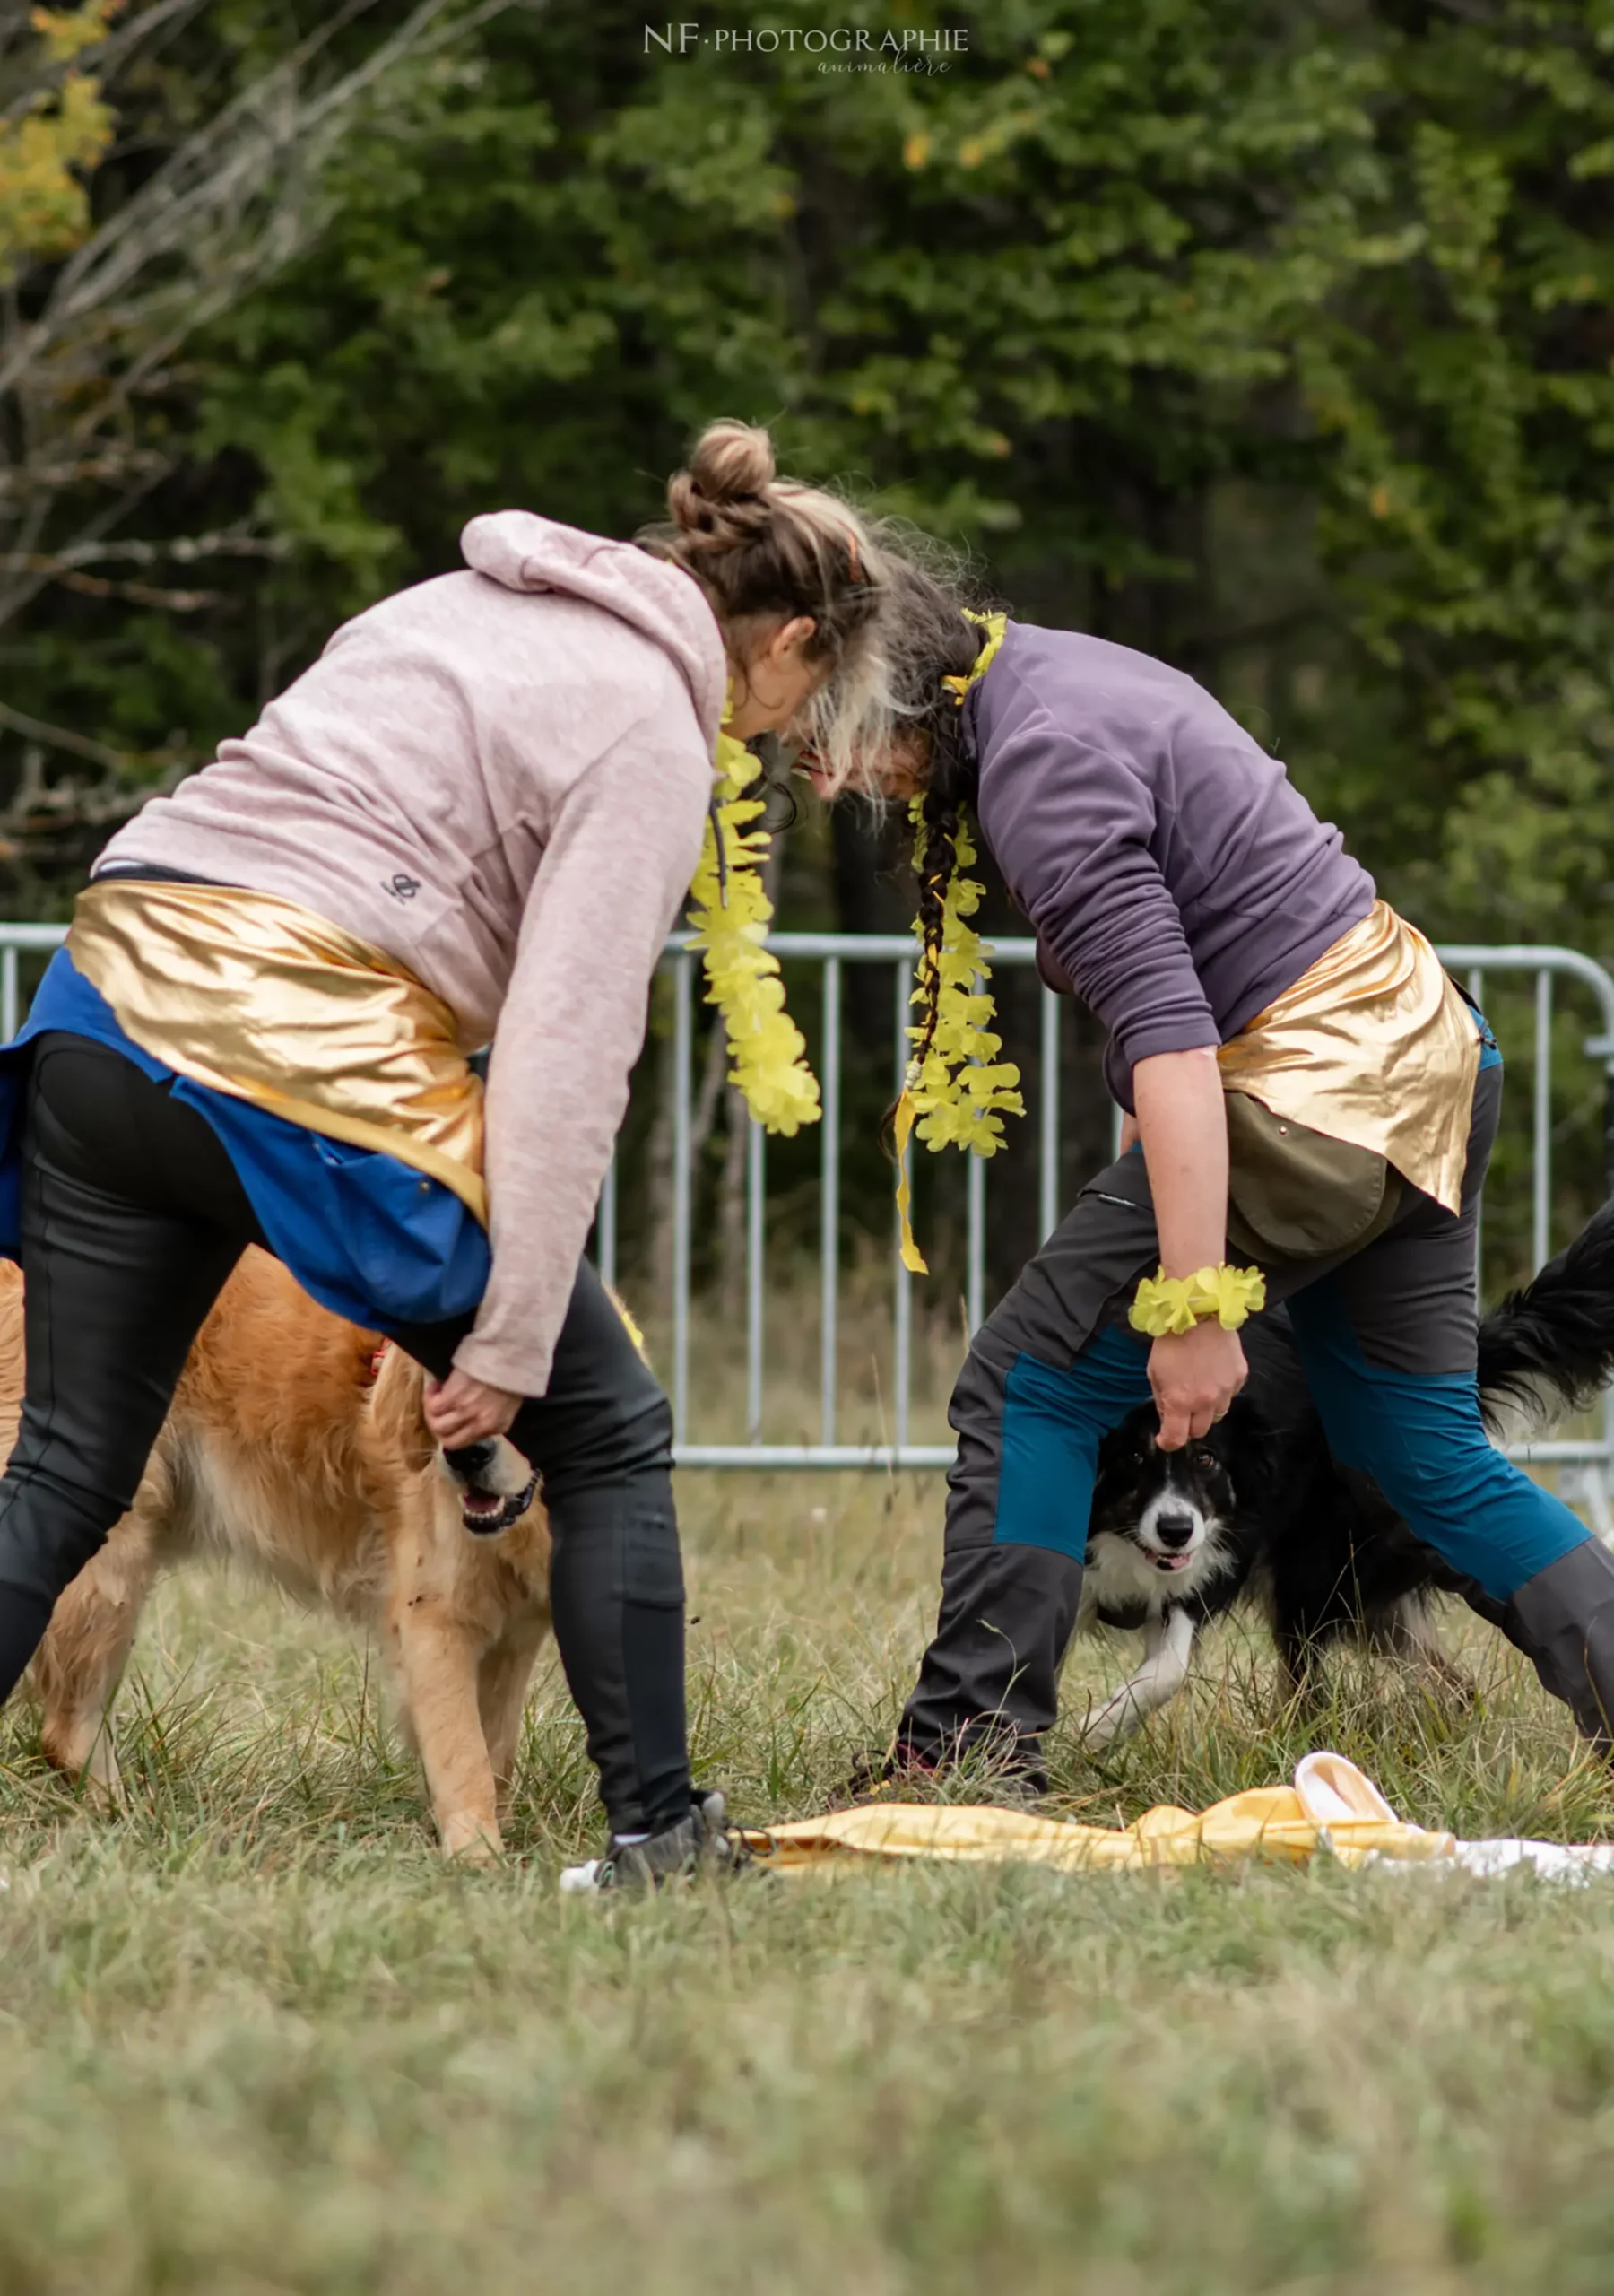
<point>476,815</point>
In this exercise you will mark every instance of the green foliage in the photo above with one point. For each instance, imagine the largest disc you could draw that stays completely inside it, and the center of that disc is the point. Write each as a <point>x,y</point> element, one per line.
<point>1467,517</point>
<point>1275,336</point>
<point>1013,298</point>
<point>55,128</point>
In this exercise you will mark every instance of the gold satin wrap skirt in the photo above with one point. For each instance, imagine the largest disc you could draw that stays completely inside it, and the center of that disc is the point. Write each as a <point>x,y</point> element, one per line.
<point>1373,1046</point>
<point>261,999</point>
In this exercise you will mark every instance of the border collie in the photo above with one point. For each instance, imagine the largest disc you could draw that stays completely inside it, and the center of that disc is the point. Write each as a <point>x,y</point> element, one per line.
<point>1258,1508</point>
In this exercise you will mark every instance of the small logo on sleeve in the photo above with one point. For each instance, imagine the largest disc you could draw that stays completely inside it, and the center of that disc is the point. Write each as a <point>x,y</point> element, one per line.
<point>401,887</point>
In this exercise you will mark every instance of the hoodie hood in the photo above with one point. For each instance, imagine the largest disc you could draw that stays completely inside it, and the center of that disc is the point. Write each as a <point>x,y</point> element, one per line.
<point>527,552</point>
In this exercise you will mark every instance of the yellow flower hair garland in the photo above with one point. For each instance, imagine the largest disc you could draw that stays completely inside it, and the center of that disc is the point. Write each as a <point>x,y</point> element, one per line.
<point>732,914</point>
<point>960,1093</point>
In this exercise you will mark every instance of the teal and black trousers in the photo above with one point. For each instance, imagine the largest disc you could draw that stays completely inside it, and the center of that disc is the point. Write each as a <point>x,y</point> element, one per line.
<point>1386,1339</point>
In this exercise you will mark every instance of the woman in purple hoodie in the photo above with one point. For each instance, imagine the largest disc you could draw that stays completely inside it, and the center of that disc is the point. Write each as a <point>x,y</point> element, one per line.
<point>1299,1075</point>
<point>477,815</point>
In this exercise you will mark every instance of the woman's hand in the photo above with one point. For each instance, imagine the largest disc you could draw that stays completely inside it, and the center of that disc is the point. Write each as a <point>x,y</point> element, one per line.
<point>461,1410</point>
<point>1195,1376</point>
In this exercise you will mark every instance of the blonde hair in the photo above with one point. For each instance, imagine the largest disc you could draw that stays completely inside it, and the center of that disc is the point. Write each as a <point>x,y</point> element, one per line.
<point>766,549</point>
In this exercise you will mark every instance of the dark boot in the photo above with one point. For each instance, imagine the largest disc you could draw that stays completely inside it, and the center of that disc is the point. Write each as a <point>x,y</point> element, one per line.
<point>988,1685</point>
<point>903,1775</point>
<point>1563,1619</point>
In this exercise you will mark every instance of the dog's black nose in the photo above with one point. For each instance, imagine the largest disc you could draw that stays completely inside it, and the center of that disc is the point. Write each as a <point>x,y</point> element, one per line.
<point>471,1461</point>
<point>1174,1530</point>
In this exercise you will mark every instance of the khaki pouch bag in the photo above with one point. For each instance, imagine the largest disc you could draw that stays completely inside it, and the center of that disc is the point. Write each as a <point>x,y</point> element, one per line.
<point>1295,1194</point>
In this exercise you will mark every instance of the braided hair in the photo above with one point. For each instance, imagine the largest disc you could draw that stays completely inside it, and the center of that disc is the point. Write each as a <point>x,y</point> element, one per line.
<point>929,637</point>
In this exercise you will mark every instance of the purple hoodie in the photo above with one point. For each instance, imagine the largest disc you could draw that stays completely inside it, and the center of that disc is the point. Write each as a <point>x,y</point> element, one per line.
<point>1176,879</point>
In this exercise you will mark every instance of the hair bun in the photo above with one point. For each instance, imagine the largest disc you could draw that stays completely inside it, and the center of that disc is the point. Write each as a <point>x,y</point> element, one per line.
<point>765,551</point>
<point>733,462</point>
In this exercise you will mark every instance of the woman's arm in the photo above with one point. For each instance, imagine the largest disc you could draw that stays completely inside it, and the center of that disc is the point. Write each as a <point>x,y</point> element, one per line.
<point>623,848</point>
<point>1073,826</point>
<point>1183,1123</point>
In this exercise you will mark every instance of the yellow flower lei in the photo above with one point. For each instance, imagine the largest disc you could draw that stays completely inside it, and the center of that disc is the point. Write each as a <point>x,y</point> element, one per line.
<point>731,915</point>
<point>958,1095</point>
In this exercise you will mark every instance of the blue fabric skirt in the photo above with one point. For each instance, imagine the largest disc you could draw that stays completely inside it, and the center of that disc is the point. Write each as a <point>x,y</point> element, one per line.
<point>365,1234</point>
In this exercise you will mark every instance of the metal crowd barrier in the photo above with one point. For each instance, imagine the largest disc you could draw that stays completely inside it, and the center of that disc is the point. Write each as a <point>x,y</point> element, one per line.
<point>1586,1463</point>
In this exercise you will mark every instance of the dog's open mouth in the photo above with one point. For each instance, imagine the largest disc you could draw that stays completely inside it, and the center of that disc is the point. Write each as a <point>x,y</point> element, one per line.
<point>486,1512</point>
<point>477,1470</point>
<point>1179,1561</point>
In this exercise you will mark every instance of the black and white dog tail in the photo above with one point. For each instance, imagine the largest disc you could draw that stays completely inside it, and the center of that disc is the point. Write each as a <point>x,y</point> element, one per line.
<point>1549,1349</point>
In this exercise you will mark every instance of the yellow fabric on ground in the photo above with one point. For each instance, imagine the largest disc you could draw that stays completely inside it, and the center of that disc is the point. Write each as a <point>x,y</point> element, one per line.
<point>1331,1807</point>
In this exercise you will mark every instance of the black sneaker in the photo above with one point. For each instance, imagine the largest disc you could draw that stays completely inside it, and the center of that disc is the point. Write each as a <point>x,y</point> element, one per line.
<point>702,1843</point>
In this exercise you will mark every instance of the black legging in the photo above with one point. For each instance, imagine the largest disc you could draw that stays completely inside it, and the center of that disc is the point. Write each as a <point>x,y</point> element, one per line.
<point>132,1218</point>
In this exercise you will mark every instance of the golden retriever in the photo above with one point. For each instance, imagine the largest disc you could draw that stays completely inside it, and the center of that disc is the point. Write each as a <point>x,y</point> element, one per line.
<point>287,1450</point>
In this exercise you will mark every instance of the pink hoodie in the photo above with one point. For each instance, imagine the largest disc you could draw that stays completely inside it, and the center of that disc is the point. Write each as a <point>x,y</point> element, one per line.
<point>501,778</point>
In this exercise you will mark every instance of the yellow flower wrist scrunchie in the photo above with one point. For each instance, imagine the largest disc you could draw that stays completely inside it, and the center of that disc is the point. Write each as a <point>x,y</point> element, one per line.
<point>1169,1304</point>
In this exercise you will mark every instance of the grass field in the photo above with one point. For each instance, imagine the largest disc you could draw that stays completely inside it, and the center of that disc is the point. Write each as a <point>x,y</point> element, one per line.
<point>257,2038</point>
